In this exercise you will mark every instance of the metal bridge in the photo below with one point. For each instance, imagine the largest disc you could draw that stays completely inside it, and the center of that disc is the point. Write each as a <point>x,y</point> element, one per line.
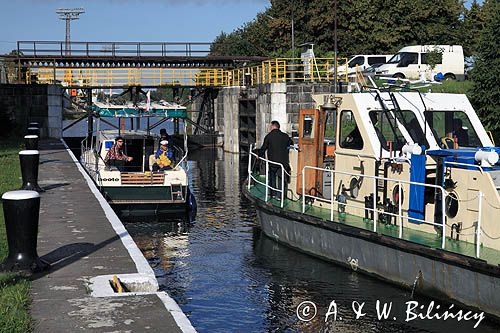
<point>152,64</point>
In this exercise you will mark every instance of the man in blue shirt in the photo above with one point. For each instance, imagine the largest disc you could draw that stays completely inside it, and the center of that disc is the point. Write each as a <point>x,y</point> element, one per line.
<point>163,157</point>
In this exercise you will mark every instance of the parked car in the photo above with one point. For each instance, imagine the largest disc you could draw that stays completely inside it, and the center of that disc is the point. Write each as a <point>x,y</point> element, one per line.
<point>371,71</point>
<point>362,62</point>
<point>411,62</point>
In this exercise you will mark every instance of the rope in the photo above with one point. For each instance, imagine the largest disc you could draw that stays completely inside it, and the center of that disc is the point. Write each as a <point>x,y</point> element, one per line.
<point>463,200</point>
<point>490,237</point>
<point>490,204</point>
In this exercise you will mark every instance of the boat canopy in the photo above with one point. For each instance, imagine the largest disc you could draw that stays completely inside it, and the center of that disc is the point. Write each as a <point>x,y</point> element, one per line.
<point>130,111</point>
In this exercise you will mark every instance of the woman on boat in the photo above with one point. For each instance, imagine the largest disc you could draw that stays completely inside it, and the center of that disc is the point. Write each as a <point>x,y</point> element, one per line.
<point>115,156</point>
<point>163,157</point>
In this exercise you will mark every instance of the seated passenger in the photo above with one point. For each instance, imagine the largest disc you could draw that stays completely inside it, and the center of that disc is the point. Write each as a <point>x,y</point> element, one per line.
<point>163,157</point>
<point>353,140</point>
<point>115,156</point>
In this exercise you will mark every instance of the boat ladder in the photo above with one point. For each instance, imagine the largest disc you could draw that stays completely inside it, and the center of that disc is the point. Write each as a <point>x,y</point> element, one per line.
<point>176,192</point>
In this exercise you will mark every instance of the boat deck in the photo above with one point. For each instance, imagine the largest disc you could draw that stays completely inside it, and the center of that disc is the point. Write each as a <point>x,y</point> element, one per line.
<point>490,255</point>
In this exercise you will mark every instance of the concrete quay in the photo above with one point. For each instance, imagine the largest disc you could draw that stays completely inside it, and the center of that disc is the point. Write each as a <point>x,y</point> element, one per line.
<point>86,244</point>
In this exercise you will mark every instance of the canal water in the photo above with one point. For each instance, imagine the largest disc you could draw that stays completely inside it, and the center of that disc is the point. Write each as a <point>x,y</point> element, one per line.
<point>229,277</point>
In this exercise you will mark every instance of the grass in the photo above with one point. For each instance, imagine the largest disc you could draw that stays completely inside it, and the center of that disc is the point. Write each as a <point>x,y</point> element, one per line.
<point>452,87</point>
<point>14,289</point>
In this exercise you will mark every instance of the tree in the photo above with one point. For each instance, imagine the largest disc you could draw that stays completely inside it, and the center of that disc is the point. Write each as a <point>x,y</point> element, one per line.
<point>485,94</point>
<point>471,29</point>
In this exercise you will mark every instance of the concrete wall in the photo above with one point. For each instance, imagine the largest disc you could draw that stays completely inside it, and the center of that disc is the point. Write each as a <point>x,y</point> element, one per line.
<point>276,101</point>
<point>21,104</point>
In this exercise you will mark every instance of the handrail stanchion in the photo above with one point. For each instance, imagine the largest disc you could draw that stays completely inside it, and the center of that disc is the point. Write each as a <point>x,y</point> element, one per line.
<point>250,167</point>
<point>478,228</point>
<point>400,212</point>
<point>443,220</point>
<point>374,204</point>
<point>267,179</point>
<point>303,189</point>
<point>331,195</point>
<point>282,185</point>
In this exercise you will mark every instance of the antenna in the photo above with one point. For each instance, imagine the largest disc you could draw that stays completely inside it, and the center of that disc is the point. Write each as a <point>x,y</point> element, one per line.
<point>69,14</point>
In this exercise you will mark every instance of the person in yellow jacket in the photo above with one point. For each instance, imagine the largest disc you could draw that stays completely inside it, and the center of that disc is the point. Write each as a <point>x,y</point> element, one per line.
<point>163,157</point>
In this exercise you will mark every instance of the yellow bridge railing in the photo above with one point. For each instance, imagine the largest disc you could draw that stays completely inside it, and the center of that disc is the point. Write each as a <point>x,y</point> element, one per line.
<point>270,71</point>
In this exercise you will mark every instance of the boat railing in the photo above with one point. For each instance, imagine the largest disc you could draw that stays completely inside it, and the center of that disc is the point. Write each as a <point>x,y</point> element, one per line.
<point>268,187</point>
<point>399,215</point>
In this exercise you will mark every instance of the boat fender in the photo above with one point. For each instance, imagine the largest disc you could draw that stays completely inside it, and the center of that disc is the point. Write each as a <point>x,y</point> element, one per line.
<point>412,149</point>
<point>192,205</point>
<point>342,200</point>
<point>353,263</point>
<point>486,158</point>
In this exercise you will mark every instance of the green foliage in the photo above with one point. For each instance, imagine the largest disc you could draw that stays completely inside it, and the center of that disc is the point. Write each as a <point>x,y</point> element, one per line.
<point>363,26</point>
<point>434,57</point>
<point>472,26</point>
<point>14,290</point>
<point>486,74</point>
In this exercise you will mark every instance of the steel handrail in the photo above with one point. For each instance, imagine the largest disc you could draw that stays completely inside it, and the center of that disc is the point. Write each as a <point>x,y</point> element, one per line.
<point>375,179</point>
<point>266,184</point>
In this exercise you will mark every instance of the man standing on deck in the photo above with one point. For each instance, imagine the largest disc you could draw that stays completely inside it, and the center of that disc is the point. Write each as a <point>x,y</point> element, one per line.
<point>276,143</point>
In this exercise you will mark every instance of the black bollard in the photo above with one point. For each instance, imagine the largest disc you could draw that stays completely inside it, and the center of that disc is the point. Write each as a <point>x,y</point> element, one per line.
<point>31,142</point>
<point>29,169</point>
<point>34,124</point>
<point>33,131</point>
<point>21,211</point>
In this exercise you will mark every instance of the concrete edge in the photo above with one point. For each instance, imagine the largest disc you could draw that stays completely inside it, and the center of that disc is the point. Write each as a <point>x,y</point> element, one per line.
<point>140,261</point>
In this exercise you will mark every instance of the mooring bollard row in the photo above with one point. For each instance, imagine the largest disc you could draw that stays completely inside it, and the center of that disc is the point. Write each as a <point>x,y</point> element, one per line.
<point>31,142</point>
<point>29,169</point>
<point>21,210</point>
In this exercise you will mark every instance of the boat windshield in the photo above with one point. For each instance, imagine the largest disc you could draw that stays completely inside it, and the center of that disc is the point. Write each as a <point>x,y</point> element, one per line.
<point>408,119</point>
<point>454,126</point>
<point>387,130</point>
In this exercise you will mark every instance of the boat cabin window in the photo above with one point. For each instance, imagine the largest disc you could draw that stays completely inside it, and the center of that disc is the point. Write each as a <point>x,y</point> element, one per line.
<point>448,125</point>
<point>410,122</point>
<point>350,137</point>
<point>387,130</point>
<point>308,127</point>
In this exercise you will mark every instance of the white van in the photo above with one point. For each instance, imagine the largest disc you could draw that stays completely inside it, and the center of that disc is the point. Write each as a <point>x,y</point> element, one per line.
<point>363,61</point>
<point>411,63</point>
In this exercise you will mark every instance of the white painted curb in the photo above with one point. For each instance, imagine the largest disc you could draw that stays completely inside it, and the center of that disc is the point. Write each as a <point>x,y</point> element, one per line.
<point>140,261</point>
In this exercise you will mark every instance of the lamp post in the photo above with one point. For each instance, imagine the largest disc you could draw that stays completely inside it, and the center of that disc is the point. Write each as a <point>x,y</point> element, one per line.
<point>293,32</point>
<point>335,48</point>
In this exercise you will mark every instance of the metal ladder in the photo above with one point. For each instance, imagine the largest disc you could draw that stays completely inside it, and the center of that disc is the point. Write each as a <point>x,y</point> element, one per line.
<point>176,192</point>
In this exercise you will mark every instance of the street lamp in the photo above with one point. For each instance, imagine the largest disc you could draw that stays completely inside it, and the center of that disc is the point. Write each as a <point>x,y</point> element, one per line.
<point>335,48</point>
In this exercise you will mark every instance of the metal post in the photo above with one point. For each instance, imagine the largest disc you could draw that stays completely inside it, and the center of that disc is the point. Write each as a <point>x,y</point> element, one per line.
<point>478,228</point>
<point>282,186</point>
<point>267,179</point>
<point>400,212</point>
<point>443,219</point>
<point>374,204</point>
<point>250,167</point>
<point>303,190</point>
<point>331,195</point>
<point>335,85</point>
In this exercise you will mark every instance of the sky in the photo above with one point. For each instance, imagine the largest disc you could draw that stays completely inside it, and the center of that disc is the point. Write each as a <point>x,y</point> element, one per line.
<point>124,20</point>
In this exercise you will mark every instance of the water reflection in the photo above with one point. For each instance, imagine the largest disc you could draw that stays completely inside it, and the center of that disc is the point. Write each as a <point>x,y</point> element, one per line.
<point>228,277</point>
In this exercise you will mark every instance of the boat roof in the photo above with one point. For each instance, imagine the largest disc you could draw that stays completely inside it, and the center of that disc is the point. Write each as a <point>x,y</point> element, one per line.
<point>129,134</point>
<point>162,109</point>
